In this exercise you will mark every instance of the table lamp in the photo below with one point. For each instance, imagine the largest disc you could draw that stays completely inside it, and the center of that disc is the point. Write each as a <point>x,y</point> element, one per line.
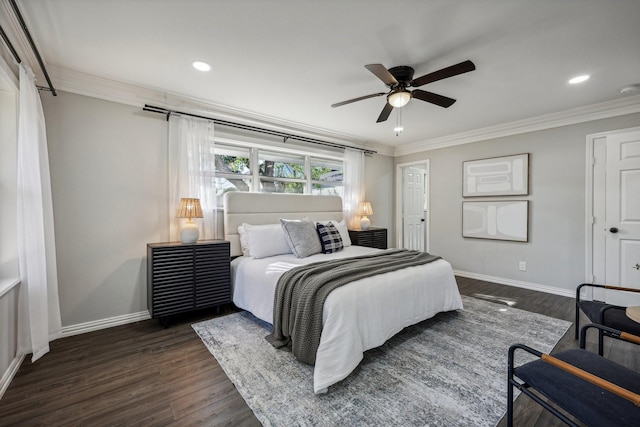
<point>189,208</point>
<point>364,209</point>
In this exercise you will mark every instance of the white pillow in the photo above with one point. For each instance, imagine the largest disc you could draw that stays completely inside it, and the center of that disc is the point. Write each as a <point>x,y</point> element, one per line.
<point>265,240</point>
<point>244,241</point>
<point>344,232</point>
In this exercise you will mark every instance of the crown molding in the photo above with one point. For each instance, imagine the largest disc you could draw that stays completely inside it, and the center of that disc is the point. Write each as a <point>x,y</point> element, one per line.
<point>7,74</point>
<point>19,39</point>
<point>603,110</point>
<point>137,95</point>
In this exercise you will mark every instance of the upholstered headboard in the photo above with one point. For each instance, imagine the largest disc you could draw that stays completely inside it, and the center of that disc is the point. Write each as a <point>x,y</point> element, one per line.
<point>267,208</point>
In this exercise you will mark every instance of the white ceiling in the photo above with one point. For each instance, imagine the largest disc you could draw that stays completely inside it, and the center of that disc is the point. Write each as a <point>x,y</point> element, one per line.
<point>291,59</point>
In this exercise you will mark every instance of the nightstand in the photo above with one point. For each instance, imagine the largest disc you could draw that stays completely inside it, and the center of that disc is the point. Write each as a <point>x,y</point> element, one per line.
<point>374,237</point>
<point>185,277</point>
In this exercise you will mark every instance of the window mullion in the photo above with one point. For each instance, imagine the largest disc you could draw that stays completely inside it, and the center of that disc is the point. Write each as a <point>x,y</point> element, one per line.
<point>307,174</point>
<point>255,170</point>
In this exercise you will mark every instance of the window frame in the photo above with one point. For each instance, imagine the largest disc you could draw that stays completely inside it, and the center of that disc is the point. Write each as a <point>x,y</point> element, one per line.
<point>254,160</point>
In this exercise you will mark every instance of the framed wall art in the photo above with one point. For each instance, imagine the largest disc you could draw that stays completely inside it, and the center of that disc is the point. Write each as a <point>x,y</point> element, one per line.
<point>498,220</point>
<point>497,176</point>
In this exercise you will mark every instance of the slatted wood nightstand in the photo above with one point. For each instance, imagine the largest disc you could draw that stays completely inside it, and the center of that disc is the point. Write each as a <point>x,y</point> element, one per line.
<point>186,277</point>
<point>374,237</point>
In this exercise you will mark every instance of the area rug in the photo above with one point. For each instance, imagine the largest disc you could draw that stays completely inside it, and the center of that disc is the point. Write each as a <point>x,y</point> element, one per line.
<point>450,370</point>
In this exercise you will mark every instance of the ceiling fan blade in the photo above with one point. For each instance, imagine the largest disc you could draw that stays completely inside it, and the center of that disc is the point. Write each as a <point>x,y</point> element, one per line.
<point>384,115</point>
<point>373,95</point>
<point>433,98</point>
<point>382,73</point>
<point>454,70</point>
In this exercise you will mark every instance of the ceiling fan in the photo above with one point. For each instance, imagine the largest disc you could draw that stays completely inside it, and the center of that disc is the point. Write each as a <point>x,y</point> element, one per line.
<point>399,79</point>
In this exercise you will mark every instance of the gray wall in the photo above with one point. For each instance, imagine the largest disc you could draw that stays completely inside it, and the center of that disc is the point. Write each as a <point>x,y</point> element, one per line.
<point>110,198</point>
<point>8,184</point>
<point>379,191</point>
<point>8,226</point>
<point>109,182</point>
<point>555,253</point>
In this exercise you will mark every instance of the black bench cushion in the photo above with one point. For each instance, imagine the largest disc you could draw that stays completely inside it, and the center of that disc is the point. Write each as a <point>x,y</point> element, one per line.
<point>615,316</point>
<point>587,402</point>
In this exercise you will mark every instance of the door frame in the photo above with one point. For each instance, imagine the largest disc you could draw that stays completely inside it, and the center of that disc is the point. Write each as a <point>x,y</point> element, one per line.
<point>400,196</point>
<point>589,197</point>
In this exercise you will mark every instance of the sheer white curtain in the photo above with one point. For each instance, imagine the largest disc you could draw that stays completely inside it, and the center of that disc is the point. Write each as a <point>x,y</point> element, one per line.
<point>353,185</point>
<point>192,172</point>
<point>38,306</point>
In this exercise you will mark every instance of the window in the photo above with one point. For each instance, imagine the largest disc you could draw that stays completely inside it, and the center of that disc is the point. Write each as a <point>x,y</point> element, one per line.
<point>233,169</point>
<point>276,171</point>
<point>326,177</point>
<point>282,173</point>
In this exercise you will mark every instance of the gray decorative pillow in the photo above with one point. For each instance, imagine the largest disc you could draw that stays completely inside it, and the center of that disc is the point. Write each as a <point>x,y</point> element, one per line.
<point>302,237</point>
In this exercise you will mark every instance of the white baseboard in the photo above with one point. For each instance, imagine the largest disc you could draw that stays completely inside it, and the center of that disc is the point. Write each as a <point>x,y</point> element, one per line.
<point>11,372</point>
<point>518,284</point>
<point>96,325</point>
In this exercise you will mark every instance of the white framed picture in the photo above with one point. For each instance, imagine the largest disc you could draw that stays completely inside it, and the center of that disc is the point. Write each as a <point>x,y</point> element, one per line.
<point>497,176</point>
<point>498,220</point>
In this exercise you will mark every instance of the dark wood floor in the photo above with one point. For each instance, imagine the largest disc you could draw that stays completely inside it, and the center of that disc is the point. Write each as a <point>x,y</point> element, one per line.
<point>141,374</point>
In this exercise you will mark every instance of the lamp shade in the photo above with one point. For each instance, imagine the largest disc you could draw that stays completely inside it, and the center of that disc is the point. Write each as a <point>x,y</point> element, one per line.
<point>399,98</point>
<point>365,209</point>
<point>189,208</point>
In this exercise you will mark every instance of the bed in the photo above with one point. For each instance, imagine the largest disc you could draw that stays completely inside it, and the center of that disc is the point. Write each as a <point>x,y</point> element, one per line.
<point>356,317</point>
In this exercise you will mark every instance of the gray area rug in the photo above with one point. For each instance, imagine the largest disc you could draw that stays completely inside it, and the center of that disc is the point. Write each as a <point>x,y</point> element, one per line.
<point>450,370</point>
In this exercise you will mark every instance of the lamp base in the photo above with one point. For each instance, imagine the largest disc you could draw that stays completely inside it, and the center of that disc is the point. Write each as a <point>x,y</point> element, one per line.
<point>364,223</point>
<point>189,232</point>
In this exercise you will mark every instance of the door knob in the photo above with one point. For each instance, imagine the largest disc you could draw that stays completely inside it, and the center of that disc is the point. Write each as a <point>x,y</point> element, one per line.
<point>613,230</point>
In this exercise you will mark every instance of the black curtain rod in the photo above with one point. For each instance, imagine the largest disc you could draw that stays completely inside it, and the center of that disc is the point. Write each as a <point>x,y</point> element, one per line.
<point>13,51</point>
<point>284,135</point>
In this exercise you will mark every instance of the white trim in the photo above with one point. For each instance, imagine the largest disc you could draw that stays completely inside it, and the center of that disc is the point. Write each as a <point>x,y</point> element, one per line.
<point>18,38</point>
<point>518,284</point>
<point>603,110</point>
<point>588,211</point>
<point>8,76</point>
<point>11,372</point>
<point>245,142</point>
<point>96,325</point>
<point>7,284</point>
<point>399,200</point>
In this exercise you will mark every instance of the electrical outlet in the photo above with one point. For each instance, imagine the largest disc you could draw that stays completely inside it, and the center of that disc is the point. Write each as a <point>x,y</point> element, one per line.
<point>522,266</point>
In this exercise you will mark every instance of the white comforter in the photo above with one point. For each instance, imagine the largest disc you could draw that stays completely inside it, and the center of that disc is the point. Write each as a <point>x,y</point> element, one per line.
<point>357,317</point>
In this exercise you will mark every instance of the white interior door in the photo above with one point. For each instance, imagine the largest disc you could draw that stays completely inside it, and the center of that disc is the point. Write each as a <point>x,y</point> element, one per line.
<point>414,209</point>
<point>622,217</point>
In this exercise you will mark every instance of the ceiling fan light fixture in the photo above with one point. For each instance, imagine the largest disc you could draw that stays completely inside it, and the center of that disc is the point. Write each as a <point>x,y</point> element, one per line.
<point>399,98</point>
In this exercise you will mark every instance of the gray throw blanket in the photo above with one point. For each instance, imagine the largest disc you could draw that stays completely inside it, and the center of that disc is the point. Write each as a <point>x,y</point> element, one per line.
<point>301,292</point>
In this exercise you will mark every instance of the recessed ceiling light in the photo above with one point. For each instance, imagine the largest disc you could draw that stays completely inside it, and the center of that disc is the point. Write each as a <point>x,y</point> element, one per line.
<point>579,79</point>
<point>201,66</point>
